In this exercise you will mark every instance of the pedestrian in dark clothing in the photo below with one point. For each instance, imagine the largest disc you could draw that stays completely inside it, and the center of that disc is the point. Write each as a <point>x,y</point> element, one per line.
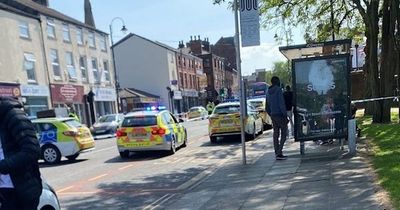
<point>20,182</point>
<point>277,110</point>
<point>288,96</point>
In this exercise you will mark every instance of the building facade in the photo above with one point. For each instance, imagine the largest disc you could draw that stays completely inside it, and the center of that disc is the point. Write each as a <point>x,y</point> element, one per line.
<point>148,66</point>
<point>71,59</point>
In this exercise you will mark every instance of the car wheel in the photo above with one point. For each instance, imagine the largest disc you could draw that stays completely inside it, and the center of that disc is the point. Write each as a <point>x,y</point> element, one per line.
<point>124,154</point>
<point>213,139</point>
<point>72,157</point>
<point>172,150</point>
<point>185,141</point>
<point>51,154</point>
<point>252,136</point>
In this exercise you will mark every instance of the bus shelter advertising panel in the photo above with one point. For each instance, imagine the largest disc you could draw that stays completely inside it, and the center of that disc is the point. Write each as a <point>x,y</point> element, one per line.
<point>321,93</point>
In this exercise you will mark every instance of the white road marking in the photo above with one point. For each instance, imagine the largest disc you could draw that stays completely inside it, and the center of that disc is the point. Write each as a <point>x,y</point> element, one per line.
<point>97,177</point>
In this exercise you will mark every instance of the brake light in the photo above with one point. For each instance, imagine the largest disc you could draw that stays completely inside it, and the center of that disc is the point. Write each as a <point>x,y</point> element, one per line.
<point>71,133</point>
<point>121,133</point>
<point>159,131</point>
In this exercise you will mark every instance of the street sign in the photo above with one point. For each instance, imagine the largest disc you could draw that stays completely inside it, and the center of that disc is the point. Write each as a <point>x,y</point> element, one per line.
<point>249,23</point>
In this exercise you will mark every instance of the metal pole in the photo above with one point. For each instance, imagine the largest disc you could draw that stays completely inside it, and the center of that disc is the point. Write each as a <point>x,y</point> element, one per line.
<point>115,71</point>
<point>356,57</point>
<point>241,86</point>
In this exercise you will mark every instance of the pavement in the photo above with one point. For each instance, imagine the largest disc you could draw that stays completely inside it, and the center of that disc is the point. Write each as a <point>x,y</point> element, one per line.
<point>324,178</point>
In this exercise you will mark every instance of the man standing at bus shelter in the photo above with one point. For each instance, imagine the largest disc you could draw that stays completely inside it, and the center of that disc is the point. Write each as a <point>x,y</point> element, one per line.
<point>277,110</point>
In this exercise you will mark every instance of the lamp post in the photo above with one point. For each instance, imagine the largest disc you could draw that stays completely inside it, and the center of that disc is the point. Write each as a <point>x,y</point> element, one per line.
<point>356,46</point>
<point>123,29</point>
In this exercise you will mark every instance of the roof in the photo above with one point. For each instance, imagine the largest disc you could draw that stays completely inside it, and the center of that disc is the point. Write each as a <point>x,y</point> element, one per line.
<point>130,35</point>
<point>228,104</point>
<point>143,113</point>
<point>31,7</point>
<point>140,93</point>
<point>16,11</point>
<point>226,40</point>
<point>52,119</point>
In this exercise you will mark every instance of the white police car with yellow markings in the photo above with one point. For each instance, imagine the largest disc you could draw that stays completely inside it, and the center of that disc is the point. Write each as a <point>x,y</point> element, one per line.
<point>153,129</point>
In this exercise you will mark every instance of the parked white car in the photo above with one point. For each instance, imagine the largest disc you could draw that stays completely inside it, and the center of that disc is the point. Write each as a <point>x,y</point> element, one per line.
<point>48,199</point>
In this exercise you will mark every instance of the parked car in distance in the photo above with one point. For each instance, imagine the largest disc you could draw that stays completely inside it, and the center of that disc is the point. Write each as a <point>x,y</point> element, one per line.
<point>259,104</point>
<point>62,137</point>
<point>106,126</point>
<point>197,112</point>
<point>48,198</point>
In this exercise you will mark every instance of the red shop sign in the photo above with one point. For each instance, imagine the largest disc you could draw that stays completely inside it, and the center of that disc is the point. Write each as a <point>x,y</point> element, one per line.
<point>10,90</point>
<point>66,93</point>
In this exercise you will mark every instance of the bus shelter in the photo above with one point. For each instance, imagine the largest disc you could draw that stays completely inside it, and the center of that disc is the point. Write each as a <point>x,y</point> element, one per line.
<point>321,87</point>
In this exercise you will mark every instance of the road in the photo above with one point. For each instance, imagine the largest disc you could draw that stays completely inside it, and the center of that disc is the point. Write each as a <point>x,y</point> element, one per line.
<point>102,180</point>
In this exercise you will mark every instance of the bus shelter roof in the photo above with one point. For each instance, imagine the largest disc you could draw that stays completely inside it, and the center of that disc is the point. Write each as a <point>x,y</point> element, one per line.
<point>336,47</point>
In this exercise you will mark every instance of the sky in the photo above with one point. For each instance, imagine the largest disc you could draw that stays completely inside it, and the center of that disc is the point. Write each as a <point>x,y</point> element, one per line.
<point>171,21</point>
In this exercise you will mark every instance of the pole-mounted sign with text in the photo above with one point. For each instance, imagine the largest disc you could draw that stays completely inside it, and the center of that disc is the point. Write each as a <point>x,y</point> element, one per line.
<point>249,23</point>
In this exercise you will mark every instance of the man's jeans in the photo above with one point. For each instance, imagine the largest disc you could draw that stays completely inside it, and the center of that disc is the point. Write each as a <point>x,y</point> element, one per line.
<point>280,129</point>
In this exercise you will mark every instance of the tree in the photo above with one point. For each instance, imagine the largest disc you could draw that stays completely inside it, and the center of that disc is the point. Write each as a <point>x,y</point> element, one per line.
<point>348,19</point>
<point>280,69</point>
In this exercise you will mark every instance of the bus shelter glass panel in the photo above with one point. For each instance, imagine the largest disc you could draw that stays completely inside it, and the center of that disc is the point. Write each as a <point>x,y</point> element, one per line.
<point>321,91</point>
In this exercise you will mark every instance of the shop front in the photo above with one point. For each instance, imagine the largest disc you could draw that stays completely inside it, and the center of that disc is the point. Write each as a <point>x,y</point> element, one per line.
<point>104,99</point>
<point>34,98</point>
<point>64,95</point>
<point>133,99</point>
<point>190,99</point>
<point>10,90</point>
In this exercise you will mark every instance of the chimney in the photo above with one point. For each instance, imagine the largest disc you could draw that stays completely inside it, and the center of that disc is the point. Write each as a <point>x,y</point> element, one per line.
<point>89,20</point>
<point>181,45</point>
<point>42,2</point>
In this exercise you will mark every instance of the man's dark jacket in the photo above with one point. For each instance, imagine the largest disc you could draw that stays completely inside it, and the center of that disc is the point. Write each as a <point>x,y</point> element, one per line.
<point>21,151</point>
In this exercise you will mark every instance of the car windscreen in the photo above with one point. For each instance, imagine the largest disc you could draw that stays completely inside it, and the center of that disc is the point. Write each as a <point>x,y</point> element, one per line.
<point>73,123</point>
<point>257,104</point>
<point>139,121</point>
<point>194,109</point>
<point>227,109</point>
<point>107,118</point>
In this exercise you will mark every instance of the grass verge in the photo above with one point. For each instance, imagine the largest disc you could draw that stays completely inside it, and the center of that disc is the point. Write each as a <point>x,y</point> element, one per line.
<point>385,142</point>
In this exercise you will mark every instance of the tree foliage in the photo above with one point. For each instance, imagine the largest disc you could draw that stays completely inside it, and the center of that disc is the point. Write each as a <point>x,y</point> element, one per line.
<point>282,70</point>
<point>377,20</point>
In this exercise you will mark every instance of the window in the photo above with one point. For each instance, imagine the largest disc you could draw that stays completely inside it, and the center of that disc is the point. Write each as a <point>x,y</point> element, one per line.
<point>55,63</point>
<point>66,34</point>
<point>191,81</point>
<point>51,28</point>
<point>23,29</point>
<point>92,42</point>
<point>79,36</point>
<point>103,45</point>
<point>69,58</point>
<point>106,71</point>
<point>29,66</point>
<point>186,81</point>
<point>181,78</point>
<point>139,121</point>
<point>83,66</point>
<point>95,70</point>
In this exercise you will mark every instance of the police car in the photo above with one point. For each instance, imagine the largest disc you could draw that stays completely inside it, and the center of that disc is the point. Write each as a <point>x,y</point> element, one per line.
<point>153,129</point>
<point>225,121</point>
<point>62,137</point>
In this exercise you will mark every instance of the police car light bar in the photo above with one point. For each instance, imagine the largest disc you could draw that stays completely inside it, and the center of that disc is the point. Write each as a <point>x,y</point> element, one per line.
<point>156,108</point>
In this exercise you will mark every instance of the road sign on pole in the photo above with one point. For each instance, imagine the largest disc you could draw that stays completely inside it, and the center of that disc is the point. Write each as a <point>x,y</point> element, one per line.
<point>249,23</point>
<point>239,69</point>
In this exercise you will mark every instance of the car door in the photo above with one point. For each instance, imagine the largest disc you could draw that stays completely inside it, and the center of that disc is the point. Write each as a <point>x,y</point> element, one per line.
<point>178,130</point>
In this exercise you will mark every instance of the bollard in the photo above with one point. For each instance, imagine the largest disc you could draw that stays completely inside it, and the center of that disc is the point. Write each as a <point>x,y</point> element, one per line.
<point>352,136</point>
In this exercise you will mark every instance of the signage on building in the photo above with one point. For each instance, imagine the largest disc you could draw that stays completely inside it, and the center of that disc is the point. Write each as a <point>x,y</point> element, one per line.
<point>34,90</point>
<point>66,93</point>
<point>177,95</point>
<point>104,94</point>
<point>249,23</point>
<point>190,93</point>
<point>10,90</point>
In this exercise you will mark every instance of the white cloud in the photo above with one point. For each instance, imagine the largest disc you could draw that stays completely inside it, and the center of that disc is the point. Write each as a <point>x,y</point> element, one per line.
<point>260,57</point>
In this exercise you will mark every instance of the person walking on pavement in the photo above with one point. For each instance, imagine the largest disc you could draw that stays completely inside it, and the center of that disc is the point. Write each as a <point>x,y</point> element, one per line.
<point>72,114</point>
<point>288,96</point>
<point>20,182</point>
<point>277,110</point>
<point>210,107</point>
